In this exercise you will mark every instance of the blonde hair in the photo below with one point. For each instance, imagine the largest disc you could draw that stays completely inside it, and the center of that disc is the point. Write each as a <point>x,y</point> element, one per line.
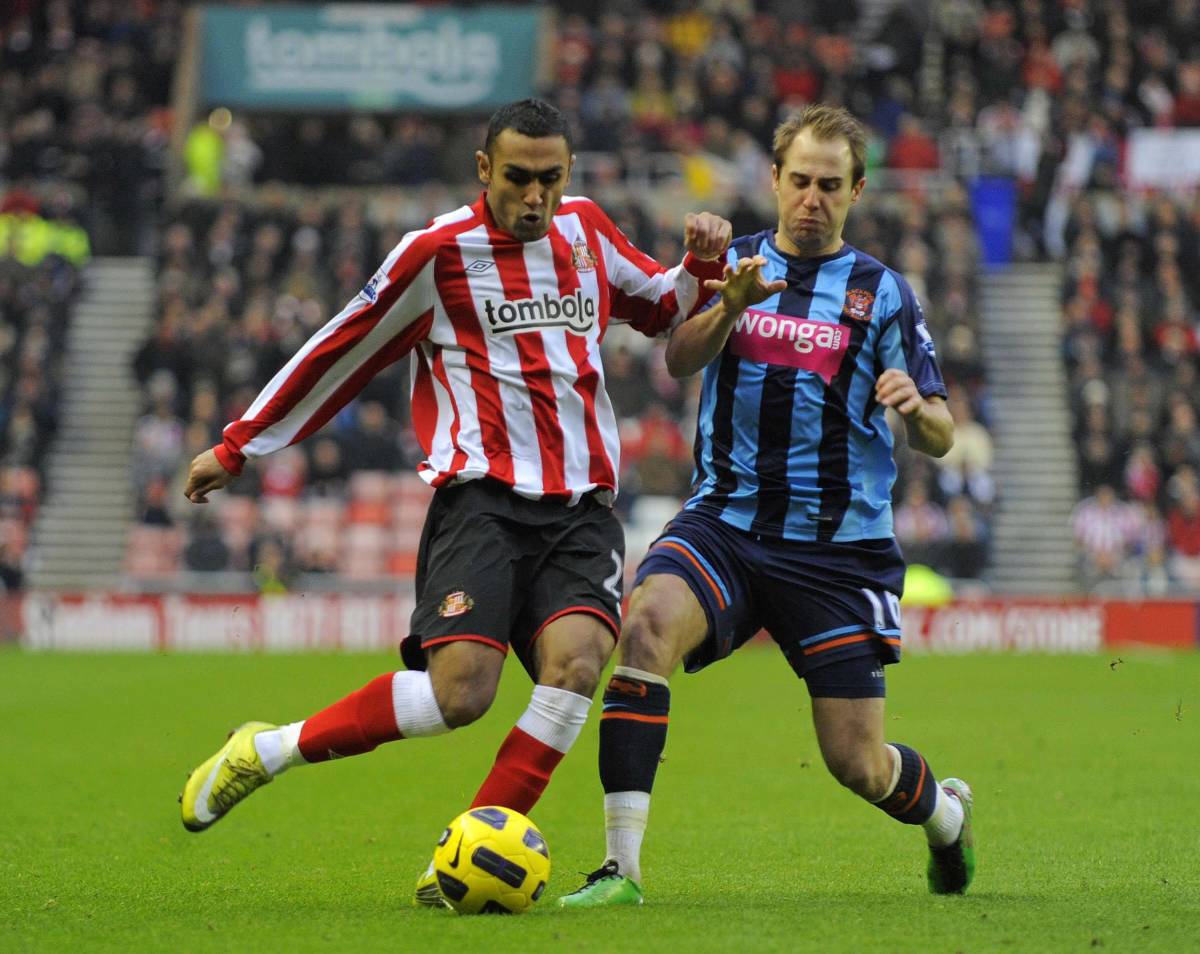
<point>826,122</point>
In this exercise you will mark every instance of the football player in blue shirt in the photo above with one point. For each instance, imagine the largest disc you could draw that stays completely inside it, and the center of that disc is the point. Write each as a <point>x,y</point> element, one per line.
<point>807,343</point>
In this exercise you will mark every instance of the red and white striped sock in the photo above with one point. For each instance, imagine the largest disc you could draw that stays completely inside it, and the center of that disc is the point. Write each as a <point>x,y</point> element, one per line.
<point>531,752</point>
<point>393,706</point>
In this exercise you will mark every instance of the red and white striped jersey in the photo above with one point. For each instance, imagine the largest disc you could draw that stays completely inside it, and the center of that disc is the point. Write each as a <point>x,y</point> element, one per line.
<point>507,380</point>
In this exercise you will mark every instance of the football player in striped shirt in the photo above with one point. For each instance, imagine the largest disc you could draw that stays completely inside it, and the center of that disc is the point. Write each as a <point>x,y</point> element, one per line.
<point>789,528</point>
<point>502,305</point>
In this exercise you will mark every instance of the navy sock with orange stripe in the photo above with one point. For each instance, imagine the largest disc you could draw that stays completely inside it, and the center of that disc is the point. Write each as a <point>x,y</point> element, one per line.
<point>633,732</point>
<point>914,796</point>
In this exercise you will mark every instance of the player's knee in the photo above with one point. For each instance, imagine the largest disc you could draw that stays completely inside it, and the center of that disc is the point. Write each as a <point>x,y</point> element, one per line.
<point>463,702</point>
<point>859,772</point>
<point>580,674</point>
<point>646,641</point>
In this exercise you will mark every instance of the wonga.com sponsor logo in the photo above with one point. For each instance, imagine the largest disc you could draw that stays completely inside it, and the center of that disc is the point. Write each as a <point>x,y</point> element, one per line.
<point>768,338</point>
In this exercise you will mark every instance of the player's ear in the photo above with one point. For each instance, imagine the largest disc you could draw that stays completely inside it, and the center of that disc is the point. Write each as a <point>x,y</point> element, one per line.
<point>856,189</point>
<point>483,165</point>
<point>774,177</point>
<point>570,166</point>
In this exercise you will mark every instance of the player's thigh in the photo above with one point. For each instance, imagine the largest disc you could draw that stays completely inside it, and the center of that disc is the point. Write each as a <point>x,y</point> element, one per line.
<point>693,597</point>
<point>828,603</point>
<point>574,596</point>
<point>665,623</point>
<point>467,581</point>
<point>572,652</point>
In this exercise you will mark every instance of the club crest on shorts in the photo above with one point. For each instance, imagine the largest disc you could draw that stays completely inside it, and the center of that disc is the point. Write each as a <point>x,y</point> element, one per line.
<point>455,604</point>
<point>858,304</point>
<point>582,257</point>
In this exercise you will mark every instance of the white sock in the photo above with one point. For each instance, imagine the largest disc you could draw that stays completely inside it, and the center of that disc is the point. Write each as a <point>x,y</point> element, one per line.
<point>945,823</point>
<point>555,717</point>
<point>417,711</point>
<point>279,748</point>
<point>895,753</point>
<point>625,817</point>
<point>640,674</point>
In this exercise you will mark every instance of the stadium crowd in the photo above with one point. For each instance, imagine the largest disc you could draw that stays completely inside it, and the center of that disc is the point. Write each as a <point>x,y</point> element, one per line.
<point>1042,92</point>
<point>40,281</point>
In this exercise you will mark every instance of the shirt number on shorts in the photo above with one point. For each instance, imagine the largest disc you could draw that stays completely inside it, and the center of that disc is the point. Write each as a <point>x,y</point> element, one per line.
<point>893,608</point>
<point>613,583</point>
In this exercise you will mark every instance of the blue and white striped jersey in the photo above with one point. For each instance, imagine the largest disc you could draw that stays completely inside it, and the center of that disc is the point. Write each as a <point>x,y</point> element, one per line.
<point>790,441</point>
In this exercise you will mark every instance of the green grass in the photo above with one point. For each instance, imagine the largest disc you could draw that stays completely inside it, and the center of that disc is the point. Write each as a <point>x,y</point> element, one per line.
<point>1084,770</point>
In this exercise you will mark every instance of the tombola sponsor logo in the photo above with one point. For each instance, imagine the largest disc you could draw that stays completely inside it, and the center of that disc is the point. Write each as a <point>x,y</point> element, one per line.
<point>576,313</point>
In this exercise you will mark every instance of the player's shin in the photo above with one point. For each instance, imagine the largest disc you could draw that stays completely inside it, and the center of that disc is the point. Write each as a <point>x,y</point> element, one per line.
<point>531,752</point>
<point>633,732</point>
<point>392,706</point>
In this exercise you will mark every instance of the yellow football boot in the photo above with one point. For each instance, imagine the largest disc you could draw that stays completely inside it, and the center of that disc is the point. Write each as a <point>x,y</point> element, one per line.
<point>427,894</point>
<point>225,779</point>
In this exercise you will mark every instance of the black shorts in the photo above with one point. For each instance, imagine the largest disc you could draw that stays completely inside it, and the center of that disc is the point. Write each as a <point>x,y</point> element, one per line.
<point>497,568</point>
<point>827,605</point>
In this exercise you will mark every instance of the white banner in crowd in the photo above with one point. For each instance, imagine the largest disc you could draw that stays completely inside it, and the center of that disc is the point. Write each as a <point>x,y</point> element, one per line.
<point>1163,159</point>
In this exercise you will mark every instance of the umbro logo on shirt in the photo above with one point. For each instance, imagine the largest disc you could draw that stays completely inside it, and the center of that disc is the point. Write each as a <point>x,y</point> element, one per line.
<point>479,265</point>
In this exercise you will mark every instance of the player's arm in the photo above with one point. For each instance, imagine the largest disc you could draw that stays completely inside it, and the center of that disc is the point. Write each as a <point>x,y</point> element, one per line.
<point>645,294</point>
<point>698,340</point>
<point>331,368</point>
<point>928,426</point>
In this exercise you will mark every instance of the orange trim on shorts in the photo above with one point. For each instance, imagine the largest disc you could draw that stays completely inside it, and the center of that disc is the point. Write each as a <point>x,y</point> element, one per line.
<point>587,610</point>
<point>466,638</point>
<point>696,563</point>
<point>633,717</point>
<point>847,640</point>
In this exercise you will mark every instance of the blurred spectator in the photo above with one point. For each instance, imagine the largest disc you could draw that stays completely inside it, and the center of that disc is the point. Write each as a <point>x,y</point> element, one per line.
<point>372,444</point>
<point>920,524</point>
<point>967,466</point>
<point>1105,530</point>
<point>1183,528</point>
<point>272,570</point>
<point>205,551</point>
<point>965,553</point>
<point>912,147</point>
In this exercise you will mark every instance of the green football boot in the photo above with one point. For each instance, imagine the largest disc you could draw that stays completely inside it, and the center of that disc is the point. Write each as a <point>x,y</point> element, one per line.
<point>605,887</point>
<point>225,779</point>
<point>427,894</point>
<point>952,868</point>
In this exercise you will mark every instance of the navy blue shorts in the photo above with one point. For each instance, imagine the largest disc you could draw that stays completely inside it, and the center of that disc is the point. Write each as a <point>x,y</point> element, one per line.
<point>833,608</point>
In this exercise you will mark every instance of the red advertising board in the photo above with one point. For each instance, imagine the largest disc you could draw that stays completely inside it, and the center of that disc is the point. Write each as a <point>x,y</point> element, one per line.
<point>301,622</point>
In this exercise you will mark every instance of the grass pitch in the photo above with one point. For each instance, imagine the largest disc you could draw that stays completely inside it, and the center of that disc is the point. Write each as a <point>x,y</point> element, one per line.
<point>1084,770</point>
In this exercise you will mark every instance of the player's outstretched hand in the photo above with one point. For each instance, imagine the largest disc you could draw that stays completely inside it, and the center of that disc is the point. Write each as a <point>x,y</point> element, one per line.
<point>204,476</point>
<point>896,389</point>
<point>743,286</point>
<point>706,235</point>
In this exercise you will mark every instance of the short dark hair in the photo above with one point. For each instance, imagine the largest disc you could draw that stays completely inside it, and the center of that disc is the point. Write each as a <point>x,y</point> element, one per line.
<point>530,117</point>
